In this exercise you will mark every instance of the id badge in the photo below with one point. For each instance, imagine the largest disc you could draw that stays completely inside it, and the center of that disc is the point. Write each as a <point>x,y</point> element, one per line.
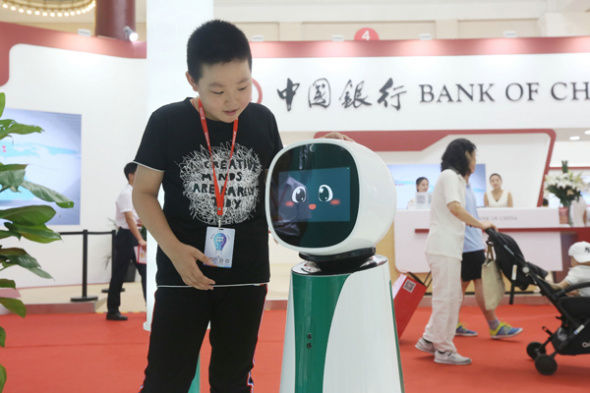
<point>219,246</point>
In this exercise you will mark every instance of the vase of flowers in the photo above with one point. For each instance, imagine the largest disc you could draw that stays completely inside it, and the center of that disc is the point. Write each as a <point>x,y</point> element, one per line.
<point>567,187</point>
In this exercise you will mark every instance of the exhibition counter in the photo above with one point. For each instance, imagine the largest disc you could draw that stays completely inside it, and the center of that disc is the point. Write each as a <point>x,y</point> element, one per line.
<point>542,240</point>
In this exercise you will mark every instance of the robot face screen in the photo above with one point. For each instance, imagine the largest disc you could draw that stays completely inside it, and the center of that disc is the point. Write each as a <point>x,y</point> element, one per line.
<point>314,195</point>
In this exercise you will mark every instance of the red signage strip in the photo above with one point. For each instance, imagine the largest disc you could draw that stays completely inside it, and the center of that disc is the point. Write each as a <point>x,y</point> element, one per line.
<point>392,48</point>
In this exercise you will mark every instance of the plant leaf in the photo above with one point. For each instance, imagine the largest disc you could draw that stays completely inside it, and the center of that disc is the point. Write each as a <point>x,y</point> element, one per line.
<point>2,102</point>
<point>5,234</point>
<point>17,256</point>
<point>40,272</point>
<point>9,126</point>
<point>2,377</point>
<point>35,233</point>
<point>12,176</point>
<point>2,337</point>
<point>14,305</point>
<point>48,194</point>
<point>6,283</point>
<point>28,215</point>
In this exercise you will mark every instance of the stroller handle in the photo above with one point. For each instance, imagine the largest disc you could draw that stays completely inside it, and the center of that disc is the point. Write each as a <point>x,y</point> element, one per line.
<point>490,231</point>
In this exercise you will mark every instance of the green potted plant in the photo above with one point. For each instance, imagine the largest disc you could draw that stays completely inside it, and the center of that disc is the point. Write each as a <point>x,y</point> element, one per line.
<point>27,222</point>
<point>567,187</point>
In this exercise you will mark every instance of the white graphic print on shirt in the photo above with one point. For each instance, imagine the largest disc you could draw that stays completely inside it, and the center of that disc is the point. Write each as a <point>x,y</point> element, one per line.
<point>242,187</point>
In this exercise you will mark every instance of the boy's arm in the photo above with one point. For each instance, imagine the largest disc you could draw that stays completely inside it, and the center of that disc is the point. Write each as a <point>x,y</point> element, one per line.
<point>183,256</point>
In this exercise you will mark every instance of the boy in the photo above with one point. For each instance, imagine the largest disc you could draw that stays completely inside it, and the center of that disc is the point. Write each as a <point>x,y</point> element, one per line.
<point>580,271</point>
<point>210,154</point>
<point>128,236</point>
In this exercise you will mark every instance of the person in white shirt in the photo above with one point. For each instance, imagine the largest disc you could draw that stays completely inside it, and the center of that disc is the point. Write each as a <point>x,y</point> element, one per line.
<point>128,236</point>
<point>422,198</point>
<point>444,249</point>
<point>497,197</point>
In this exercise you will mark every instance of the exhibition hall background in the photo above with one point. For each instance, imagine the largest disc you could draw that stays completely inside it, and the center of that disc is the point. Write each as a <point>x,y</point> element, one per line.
<point>529,94</point>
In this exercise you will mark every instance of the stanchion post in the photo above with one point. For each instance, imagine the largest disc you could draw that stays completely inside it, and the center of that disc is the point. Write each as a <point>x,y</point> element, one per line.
<point>84,297</point>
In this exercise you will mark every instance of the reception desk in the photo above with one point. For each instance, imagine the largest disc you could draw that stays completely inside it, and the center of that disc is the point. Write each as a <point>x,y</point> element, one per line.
<point>542,240</point>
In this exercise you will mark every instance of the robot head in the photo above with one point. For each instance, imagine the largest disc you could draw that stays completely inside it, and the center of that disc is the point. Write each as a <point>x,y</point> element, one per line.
<point>328,197</point>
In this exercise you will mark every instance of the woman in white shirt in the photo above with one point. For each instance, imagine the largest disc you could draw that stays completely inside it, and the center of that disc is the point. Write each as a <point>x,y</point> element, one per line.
<point>497,197</point>
<point>444,250</point>
<point>422,185</point>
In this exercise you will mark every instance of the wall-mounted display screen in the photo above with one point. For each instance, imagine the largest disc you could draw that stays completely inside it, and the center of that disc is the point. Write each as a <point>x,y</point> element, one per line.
<point>405,176</point>
<point>53,159</point>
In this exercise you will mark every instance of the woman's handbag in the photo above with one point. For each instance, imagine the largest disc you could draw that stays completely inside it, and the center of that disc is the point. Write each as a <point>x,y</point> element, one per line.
<point>492,281</point>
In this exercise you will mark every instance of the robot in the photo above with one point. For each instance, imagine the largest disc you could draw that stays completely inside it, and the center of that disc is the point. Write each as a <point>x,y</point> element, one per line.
<point>332,201</point>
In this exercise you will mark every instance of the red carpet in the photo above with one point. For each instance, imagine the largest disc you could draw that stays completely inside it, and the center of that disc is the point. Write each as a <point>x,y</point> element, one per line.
<point>83,353</point>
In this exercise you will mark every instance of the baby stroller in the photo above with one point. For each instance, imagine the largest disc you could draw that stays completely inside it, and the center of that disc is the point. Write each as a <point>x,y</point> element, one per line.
<point>572,337</point>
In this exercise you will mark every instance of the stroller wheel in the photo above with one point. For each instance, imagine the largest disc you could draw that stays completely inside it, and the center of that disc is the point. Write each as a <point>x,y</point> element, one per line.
<point>535,349</point>
<point>545,364</point>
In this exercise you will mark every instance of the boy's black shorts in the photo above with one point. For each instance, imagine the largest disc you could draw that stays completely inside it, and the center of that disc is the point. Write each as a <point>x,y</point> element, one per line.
<point>471,265</point>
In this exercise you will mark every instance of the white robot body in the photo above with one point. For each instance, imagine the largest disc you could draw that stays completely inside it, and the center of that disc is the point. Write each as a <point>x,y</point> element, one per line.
<point>332,201</point>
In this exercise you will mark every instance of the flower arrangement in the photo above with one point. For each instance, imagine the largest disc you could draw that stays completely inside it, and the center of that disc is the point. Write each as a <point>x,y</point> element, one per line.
<point>566,186</point>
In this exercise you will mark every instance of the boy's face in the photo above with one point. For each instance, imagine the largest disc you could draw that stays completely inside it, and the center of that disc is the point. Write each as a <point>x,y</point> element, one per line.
<point>225,89</point>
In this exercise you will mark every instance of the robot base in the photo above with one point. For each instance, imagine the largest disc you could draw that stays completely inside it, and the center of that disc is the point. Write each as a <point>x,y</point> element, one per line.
<point>340,333</point>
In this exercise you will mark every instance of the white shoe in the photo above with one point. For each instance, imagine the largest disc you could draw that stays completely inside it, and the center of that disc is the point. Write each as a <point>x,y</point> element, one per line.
<point>451,358</point>
<point>425,346</point>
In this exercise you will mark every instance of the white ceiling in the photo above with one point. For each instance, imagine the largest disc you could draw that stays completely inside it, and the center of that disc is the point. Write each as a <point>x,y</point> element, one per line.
<point>351,10</point>
<point>252,11</point>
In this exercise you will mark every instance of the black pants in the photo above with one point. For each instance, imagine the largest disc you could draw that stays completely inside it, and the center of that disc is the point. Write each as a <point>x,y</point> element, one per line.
<point>123,254</point>
<point>180,320</point>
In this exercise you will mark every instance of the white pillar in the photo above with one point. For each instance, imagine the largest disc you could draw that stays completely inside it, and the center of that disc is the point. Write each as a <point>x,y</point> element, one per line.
<point>169,25</point>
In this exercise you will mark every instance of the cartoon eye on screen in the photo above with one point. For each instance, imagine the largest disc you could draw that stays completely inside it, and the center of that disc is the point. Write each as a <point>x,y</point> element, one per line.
<point>317,195</point>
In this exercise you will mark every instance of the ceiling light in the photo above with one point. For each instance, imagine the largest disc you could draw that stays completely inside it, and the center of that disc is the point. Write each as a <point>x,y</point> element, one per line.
<point>587,132</point>
<point>574,138</point>
<point>50,7</point>
<point>130,34</point>
<point>510,34</point>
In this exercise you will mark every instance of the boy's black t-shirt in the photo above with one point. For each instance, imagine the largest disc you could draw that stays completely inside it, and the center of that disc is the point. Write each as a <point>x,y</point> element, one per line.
<point>175,144</point>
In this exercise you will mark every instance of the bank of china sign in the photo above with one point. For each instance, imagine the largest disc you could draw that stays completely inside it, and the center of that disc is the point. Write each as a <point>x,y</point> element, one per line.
<point>426,92</point>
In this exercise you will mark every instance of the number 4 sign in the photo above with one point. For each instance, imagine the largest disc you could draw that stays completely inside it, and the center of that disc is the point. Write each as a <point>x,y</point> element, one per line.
<point>366,34</point>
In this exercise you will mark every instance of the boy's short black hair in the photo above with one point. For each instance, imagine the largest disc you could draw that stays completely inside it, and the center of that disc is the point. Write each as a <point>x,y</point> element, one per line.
<point>216,42</point>
<point>130,169</point>
<point>454,156</point>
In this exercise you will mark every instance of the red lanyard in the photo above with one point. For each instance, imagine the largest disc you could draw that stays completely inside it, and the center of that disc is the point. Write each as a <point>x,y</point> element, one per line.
<point>219,196</point>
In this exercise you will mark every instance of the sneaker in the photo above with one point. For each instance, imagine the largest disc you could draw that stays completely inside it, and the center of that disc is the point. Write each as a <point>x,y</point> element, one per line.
<point>463,331</point>
<point>504,331</point>
<point>451,358</point>
<point>425,346</point>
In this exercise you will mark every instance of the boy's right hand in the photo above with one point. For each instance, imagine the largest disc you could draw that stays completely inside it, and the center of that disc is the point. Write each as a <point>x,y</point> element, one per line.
<point>184,258</point>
